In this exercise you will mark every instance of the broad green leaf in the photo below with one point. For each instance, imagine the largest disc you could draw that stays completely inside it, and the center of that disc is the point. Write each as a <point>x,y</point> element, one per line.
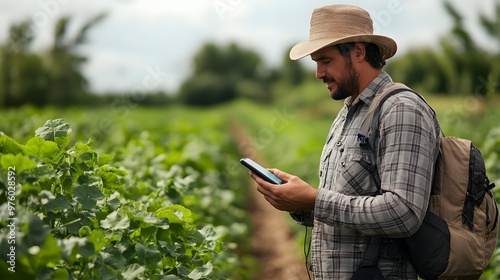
<point>172,248</point>
<point>9,145</point>
<point>42,149</point>
<point>176,214</point>
<point>114,258</point>
<point>86,177</point>
<point>88,196</point>
<point>84,153</point>
<point>149,232</point>
<point>147,255</point>
<point>66,182</point>
<point>63,141</point>
<point>104,159</point>
<point>133,271</point>
<point>115,221</point>
<point>84,231</point>
<point>183,271</point>
<point>82,148</point>
<point>111,177</point>
<point>196,236</point>
<point>98,239</point>
<point>209,233</point>
<point>141,253</point>
<point>168,277</point>
<point>135,234</point>
<point>147,219</point>
<point>52,129</point>
<point>86,250</point>
<point>201,272</point>
<point>106,272</point>
<point>59,203</point>
<point>113,169</point>
<point>113,203</point>
<point>60,274</point>
<point>20,162</point>
<point>75,221</point>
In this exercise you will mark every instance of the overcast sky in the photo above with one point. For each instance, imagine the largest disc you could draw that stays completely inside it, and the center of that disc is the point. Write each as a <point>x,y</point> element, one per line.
<point>157,38</point>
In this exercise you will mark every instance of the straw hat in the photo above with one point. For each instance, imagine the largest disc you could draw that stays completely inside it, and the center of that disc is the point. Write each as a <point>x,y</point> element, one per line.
<point>336,24</point>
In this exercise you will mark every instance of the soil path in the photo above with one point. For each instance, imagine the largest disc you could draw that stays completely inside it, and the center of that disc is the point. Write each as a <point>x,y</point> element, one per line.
<point>273,242</point>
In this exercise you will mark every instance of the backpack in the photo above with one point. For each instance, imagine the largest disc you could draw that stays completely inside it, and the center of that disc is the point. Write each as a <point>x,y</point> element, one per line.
<point>459,233</point>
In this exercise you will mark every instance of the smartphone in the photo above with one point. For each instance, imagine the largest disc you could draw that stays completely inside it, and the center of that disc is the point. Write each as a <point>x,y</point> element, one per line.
<point>260,171</point>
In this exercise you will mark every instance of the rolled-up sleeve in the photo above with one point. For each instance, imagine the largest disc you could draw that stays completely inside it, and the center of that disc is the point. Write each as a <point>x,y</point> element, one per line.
<point>304,218</point>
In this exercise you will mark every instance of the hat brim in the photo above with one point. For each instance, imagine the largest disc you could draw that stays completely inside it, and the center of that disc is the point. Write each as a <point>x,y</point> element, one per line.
<point>388,46</point>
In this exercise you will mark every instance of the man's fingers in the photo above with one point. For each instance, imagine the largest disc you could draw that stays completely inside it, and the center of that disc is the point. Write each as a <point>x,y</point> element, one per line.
<point>263,186</point>
<point>259,179</point>
<point>280,174</point>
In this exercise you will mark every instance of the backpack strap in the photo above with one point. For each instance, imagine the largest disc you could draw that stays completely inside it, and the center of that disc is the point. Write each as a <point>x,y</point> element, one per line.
<point>371,122</point>
<point>370,126</point>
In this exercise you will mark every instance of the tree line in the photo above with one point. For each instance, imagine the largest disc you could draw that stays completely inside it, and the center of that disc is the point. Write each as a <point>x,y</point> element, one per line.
<point>459,65</point>
<point>53,77</point>
<point>225,72</point>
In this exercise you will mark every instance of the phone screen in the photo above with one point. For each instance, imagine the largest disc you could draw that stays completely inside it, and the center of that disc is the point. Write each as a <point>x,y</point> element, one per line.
<point>260,171</point>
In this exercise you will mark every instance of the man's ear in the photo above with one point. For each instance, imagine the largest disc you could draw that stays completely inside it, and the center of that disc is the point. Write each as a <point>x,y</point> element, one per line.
<point>359,52</point>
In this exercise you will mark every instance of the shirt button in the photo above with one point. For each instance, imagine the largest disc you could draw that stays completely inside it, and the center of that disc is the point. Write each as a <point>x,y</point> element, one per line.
<point>342,163</point>
<point>339,143</point>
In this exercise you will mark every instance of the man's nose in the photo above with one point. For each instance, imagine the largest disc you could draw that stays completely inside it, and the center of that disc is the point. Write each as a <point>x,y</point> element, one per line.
<point>320,72</point>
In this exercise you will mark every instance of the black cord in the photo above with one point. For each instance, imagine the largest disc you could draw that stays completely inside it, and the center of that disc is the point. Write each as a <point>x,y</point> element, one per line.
<point>307,252</point>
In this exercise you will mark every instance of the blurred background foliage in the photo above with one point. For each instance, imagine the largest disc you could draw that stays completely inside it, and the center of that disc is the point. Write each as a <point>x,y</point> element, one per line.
<point>221,73</point>
<point>457,65</point>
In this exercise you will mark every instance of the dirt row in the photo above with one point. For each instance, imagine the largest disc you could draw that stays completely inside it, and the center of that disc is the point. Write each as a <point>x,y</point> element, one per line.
<point>274,244</point>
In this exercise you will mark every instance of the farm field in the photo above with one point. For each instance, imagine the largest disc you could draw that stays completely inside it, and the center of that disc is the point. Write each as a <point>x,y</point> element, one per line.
<point>152,195</point>
<point>141,193</point>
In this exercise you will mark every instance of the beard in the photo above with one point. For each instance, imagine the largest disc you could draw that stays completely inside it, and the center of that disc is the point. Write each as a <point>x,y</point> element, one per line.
<point>348,86</point>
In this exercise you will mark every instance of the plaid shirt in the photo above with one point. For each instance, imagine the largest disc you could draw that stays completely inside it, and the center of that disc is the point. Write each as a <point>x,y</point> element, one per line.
<point>346,214</point>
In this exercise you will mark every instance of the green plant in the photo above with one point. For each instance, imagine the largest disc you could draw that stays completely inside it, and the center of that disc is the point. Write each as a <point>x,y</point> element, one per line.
<point>79,214</point>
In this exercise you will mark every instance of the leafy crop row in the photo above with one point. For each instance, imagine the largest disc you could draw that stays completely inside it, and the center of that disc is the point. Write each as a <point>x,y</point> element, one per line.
<point>159,205</point>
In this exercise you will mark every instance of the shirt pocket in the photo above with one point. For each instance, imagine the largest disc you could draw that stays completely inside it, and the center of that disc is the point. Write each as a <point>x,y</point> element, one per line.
<point>354,173</point>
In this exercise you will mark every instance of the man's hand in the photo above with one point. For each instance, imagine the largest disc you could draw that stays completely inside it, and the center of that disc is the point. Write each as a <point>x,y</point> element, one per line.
<point>292,195</point>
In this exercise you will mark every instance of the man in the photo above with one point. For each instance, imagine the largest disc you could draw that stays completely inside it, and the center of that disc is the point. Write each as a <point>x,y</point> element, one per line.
<point>344,211</point>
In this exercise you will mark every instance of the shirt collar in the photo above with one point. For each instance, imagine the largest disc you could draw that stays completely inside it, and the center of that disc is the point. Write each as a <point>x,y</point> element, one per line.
<point>367,95</point>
